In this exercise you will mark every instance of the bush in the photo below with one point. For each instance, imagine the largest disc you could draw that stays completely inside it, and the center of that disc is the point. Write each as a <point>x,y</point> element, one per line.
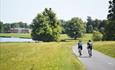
<point>97,36</point>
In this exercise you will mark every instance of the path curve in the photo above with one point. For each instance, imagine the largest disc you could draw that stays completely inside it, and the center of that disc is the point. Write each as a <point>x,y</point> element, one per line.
<point>98,61</point>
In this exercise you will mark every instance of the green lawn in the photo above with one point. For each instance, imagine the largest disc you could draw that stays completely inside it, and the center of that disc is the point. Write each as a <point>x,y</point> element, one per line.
<point>18,35</point>
<point>47,55</point>
<point>38,56</point>
<point>106,47</point>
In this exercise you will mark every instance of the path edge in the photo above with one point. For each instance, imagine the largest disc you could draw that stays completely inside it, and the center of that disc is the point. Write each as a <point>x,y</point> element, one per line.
<point>84,66</point>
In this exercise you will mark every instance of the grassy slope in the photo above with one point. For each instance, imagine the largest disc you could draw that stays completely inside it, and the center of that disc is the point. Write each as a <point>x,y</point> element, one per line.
<point>38,56</point>
<point>106,47</point>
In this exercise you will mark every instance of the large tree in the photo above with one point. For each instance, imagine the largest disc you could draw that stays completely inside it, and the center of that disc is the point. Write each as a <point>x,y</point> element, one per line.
<point>45,26</point>
<point>110,28</point>
<point>96,24</point>
<point>75,27</point>
<point>90,23</point>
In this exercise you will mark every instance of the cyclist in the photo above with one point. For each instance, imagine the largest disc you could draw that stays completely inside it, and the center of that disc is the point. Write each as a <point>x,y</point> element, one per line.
<point>80,47</point>
<point>89,47</point>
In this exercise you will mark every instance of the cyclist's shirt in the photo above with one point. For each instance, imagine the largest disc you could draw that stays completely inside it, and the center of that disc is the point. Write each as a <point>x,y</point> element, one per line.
<point>89,45</point>
<point>80,45</point>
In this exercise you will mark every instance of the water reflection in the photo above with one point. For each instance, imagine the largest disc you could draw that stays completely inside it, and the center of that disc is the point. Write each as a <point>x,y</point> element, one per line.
<point>15,40</point>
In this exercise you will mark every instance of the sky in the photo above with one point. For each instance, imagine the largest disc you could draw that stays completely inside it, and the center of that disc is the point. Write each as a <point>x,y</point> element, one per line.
<point>26,10</point>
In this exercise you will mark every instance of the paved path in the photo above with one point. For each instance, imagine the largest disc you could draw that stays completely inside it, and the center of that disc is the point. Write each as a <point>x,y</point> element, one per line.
<point>98,61</point>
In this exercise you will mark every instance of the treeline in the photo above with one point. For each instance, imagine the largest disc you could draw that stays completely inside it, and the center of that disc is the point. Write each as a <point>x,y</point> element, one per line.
<point>5,27</point>
<point>47,27</point>
<point>86,27</point>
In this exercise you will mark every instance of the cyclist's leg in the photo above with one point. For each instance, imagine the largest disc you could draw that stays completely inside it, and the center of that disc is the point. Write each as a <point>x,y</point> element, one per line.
<point>90,52</point>
<point>79,51</point>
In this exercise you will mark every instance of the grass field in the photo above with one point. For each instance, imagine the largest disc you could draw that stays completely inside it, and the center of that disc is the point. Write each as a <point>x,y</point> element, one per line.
<point>38,56</point>
<point>106,47</point>
<point>47,55</point>
<point>18,35</point>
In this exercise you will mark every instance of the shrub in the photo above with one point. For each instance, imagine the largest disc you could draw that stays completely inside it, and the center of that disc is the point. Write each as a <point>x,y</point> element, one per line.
<point>97,36</point>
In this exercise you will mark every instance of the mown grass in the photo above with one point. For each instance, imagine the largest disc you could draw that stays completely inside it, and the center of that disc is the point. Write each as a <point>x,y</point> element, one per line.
<point>18,35</point>
<point>106,47</point>
<point>38,56</point>
<point>48,55</point>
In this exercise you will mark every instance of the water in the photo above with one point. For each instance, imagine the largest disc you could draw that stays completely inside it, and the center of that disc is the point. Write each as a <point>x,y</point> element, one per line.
<point>15,40</point>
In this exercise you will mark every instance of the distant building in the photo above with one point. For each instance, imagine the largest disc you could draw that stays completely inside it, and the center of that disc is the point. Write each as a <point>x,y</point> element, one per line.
<point>19,30</point>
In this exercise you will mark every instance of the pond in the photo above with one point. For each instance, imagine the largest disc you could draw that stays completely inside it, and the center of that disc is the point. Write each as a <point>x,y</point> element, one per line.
<point>2,39</point>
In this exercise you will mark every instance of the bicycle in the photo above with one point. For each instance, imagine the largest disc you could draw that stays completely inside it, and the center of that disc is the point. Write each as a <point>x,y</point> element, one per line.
<point>79,50</point>
<point>89,52</point>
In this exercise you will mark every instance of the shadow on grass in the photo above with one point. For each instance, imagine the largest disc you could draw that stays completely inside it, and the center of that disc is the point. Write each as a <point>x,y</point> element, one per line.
<point>68,40</point>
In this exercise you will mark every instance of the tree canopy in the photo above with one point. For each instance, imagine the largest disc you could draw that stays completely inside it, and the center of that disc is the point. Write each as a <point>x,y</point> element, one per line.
<point>75,27</point>
<point>46,26</point>
<point>110,28</point>
<point>111,15</point>
<point>89,27</point>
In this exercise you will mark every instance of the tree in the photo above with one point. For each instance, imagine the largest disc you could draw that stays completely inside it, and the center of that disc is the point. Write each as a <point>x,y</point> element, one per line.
<point>90,28</point>
<point>45,26</point>
<point>110,31</point>
<point>63,24</point>
<point>110,28</point>
<point>96,24</point>
<point>102,26</point>
<point>111,15</point>
<point>75,27</point>
<point>7,28</point>
<point>90,24</point>
<point>1,27</point>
